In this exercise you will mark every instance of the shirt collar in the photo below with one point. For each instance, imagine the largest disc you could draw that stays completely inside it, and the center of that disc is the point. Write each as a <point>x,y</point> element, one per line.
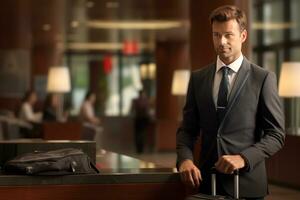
<point>234,66</point>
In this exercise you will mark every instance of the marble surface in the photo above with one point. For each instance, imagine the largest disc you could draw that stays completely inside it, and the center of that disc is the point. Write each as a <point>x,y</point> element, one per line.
<point>110,162</point>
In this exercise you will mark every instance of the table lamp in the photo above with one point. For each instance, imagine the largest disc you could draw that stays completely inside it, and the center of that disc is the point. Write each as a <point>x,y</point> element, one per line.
<point>59,83</point>
<point>289,87</point>
<point>180,82</point>
<point>179,86</point>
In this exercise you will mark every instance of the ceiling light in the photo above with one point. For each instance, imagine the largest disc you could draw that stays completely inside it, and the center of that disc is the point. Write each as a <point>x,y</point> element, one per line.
<point>272,25</point>
<point>102,46</point>
<point>112,4</point>
<point>46,27</point>
<point>150,24</point>
<point>74,24</point>
<point>143,71</point>
<point>90,4</point>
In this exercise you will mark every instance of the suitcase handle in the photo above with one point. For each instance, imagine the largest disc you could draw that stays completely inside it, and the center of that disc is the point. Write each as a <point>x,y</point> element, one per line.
<point>236,183</point>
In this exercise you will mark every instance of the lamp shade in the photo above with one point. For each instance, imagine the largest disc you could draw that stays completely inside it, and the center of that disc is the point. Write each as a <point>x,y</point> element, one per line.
<point>152,70</point>
<point>180,81</point>
<point>289,79</point>
<point>58,80</point>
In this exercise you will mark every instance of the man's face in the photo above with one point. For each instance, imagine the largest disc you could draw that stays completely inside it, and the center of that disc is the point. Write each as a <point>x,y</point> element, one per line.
<point>228,39</point>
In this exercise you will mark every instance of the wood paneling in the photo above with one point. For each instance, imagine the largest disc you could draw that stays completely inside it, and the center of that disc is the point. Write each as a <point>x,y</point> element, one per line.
<point>15,21</point>
<point>62,130</point>
<point>201,45</point>
<point>22,22</point>
<point>48,45</point>
<point>151,191</point>
<point>169,56</point>
<point>166,135</point>
<point>283,167</point>
<point>10,104</point>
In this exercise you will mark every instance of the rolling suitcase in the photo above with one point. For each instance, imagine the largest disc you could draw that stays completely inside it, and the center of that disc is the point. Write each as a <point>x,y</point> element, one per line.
<point>214,195</point>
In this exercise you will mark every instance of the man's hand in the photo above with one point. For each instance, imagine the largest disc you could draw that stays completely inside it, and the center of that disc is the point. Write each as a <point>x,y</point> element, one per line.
<point>190,174</point>
<point>228,163</point>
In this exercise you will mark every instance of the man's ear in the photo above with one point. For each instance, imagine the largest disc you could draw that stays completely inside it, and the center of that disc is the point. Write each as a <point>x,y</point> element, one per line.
<point>244,35</point>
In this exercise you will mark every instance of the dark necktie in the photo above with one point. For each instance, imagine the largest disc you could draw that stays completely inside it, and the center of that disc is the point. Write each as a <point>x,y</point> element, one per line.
<point>222,95</point>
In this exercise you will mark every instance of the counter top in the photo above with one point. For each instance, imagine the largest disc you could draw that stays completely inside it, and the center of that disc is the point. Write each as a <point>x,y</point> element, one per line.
<point>110,162</point>
<point>114,169</point>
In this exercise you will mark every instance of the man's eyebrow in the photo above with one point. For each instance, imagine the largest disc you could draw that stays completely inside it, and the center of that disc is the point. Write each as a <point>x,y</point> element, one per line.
<point>216,32</point>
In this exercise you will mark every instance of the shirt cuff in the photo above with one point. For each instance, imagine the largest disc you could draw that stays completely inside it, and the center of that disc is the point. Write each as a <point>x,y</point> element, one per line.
<point>246,168</point>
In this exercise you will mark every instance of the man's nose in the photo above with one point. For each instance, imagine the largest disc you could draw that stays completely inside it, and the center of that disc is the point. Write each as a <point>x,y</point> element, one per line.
<point>223,39</point>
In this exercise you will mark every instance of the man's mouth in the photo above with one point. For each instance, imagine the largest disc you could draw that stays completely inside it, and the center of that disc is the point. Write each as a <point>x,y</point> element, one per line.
<point>224,49</point>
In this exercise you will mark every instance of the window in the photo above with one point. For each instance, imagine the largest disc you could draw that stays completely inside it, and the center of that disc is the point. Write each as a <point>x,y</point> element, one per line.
<point>116,83</point>
<point>275,39</point>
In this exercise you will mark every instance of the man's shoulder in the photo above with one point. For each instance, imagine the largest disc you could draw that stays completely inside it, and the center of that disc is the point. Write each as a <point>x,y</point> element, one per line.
<point>204,70</point>
<point>258,72</point>
<point>259,69</point>
<point>256,68</point>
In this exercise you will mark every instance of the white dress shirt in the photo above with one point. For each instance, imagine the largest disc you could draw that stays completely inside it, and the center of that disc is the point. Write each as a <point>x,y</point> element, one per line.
<point>27,114</point>
<point>234,68</point>
<point>87,111</point>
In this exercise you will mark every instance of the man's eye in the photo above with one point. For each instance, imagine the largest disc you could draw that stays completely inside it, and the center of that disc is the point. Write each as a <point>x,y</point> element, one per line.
<point>229,35</point>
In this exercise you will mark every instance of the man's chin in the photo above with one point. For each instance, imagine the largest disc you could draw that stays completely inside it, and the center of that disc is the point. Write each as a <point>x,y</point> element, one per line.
<point>224,56</point>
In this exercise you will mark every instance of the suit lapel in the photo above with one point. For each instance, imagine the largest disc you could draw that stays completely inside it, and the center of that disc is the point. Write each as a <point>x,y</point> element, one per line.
<point>240,77</point>
<point>210,81</point>
<point>238,85</point>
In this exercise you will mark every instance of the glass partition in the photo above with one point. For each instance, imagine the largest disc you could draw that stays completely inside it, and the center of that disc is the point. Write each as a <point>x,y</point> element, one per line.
<point>116,82</point>
<point>276,39</point>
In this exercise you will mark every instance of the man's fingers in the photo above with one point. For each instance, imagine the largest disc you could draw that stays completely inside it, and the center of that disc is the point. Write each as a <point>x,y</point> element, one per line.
<point>227,164</point>
<point>200,176</point>
<point>218,162</point>
<point>186,177</point>
<point>191,180</point>
<point>190,174</point>
<point>196,177</point>
<point>222,165</point>
<point>182,176</point>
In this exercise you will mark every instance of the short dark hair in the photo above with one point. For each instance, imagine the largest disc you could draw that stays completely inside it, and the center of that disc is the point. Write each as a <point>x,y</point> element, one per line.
<point>89,94</point>
<point>27,95</point>
<point>229,12</point>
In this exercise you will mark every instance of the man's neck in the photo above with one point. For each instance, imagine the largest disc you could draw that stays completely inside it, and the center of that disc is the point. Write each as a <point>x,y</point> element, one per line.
<point>228,61</point>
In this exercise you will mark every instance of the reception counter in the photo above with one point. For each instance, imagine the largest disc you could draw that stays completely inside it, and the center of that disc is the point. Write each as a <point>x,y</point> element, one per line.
<point>121,177</point>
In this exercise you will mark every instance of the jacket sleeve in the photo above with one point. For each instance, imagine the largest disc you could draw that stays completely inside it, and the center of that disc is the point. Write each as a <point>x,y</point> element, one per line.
<point>189,128</point>
<point>270,119</point>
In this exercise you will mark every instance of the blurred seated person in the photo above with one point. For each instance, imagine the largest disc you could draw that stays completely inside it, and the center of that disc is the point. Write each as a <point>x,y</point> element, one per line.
<point>26,110</point>
<point>87,113</point>
<point>90,121</point>
<point>26,113</point>
<point>51,106</point>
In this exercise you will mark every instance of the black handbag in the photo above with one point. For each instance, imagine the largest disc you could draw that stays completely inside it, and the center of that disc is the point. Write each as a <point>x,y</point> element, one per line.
<point>57,162</point>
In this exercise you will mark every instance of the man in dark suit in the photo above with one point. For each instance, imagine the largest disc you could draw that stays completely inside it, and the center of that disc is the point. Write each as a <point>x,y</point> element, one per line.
<point>235,107</point>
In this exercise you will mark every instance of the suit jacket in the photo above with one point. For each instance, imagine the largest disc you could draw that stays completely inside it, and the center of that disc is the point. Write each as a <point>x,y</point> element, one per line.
<point>253,125</point>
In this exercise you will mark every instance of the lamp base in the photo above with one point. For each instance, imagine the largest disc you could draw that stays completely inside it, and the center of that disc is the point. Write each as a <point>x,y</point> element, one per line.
<point>293,131</point>
<point>60,108</point>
